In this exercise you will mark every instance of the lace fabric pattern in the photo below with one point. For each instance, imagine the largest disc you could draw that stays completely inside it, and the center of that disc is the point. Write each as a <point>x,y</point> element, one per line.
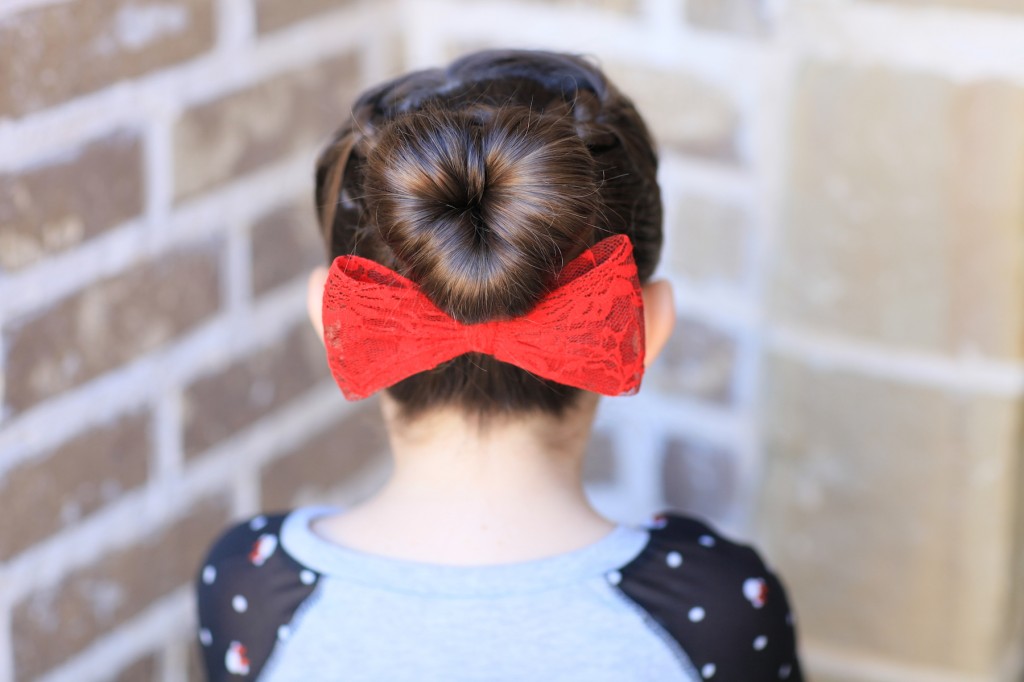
<point>586,332</point>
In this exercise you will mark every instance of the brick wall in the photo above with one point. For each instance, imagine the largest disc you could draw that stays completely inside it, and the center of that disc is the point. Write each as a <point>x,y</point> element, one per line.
<point>159,378</point>
<point>844,184</point>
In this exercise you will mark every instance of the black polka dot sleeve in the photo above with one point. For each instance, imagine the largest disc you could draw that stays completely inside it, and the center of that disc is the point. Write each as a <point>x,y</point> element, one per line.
<point>248,591</point>
<point>717,600</point>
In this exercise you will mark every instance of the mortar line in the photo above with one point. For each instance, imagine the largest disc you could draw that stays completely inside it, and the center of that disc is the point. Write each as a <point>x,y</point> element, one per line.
<point>156,505</point>
<point>131,640</point>
<point>964,372</point>
<point>211,346</point>
<point>216,73</point>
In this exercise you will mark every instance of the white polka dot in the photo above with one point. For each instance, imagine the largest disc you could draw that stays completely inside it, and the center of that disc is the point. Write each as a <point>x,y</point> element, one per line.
<point>674,559</point>
<point>284,632</point>
<point>706,541</point>
<point>760,642</point>
<point>756,591</point>
<point>209,574</point>
<point>307,577</point>
<point>614,577</point>
<point>239,603</point>
<point>258,522</point>
<point>696,614</point>
<point>236,659</point>
<point>708,671</point>
<point>205,637</point>
<point>784,671</point>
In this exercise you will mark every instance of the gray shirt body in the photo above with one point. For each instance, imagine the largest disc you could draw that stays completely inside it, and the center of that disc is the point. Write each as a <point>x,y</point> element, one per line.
<point>557,619</point>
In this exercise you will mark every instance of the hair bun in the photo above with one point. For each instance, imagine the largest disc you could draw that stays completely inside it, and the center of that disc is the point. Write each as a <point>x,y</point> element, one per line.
<point>481,206</point>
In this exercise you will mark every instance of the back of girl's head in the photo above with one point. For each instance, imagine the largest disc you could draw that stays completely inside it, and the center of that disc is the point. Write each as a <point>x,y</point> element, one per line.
<point>479,182</point>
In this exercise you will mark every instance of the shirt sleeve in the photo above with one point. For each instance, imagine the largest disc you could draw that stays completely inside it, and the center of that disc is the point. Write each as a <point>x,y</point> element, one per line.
<point>248,590</point>
<point>717,599</point>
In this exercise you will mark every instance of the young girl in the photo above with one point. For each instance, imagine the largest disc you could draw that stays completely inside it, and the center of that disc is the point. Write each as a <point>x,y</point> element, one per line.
<point>492,228</point>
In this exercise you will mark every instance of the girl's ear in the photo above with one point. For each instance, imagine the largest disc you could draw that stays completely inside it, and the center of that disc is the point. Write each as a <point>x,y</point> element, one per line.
<point>659,317</point>
<point>315,300</point>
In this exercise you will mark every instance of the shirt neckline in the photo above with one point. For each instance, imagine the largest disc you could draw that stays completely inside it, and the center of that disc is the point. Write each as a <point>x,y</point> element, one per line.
<point>598,559</point>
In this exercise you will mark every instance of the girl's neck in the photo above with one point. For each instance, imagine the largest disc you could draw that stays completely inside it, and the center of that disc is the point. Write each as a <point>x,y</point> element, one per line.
<point>459,495</point>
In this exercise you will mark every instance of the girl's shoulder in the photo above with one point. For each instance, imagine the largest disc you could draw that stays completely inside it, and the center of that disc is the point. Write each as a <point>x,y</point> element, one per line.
<point>248,590</point>
<point>713,598</point>
<point>716,598</point>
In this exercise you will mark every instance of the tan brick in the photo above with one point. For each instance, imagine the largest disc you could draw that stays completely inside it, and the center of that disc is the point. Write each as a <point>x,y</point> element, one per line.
<point>743,17</point>
<point>286,243</point>
<point>326,461</point>
<point>891,511</point>
<point>708,240</point>
<point>829,673</point>
<point>195,668</point>
<point>699,478</point>
<point>51,625</point>
<point>71,482</point>
<point>684,112</point>
<point>904,218</point>
<point>145,669</point>
<point>110,323</point>
<point>221,404</point>
<point>274,14</point>
<point>61,202</point>
<point>599,465</point>
<point>245,130</point>
<point>698,361</point>
<point>982,5</point>
<point>60,51</point>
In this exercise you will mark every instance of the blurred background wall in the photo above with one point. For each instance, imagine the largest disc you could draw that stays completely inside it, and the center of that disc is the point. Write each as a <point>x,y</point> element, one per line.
<point>844,186</point>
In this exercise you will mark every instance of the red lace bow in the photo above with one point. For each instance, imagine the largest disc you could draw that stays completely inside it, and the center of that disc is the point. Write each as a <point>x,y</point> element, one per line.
<point>587,332</point>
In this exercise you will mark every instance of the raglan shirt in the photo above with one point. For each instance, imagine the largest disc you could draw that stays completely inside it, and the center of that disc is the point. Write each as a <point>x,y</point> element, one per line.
<point>671,600</point>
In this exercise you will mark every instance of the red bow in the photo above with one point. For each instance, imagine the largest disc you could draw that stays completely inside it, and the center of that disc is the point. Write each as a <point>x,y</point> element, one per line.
<point>587,332</point>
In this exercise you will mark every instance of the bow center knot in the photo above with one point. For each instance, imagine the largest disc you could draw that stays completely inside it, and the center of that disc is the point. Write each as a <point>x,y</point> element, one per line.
<point>481,336</point>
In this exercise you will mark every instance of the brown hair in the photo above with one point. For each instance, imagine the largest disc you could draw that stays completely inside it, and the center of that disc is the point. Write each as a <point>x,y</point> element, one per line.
<point>478,182</point>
